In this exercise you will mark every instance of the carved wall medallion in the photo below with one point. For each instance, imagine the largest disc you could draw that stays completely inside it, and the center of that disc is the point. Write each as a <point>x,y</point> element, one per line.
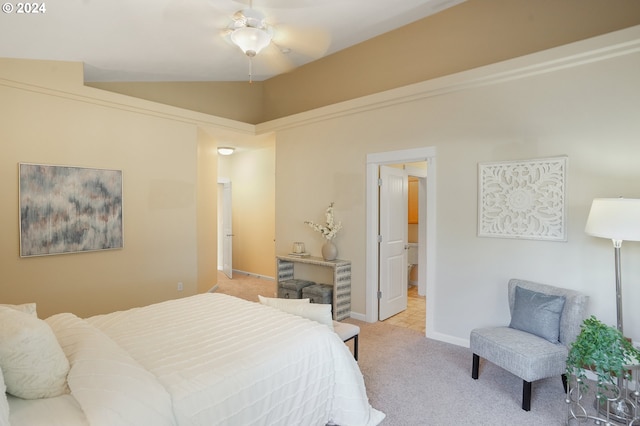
<point>523,199</point>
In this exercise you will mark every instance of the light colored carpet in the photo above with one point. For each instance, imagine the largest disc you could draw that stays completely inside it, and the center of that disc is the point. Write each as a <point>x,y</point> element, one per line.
<point>420,381</point>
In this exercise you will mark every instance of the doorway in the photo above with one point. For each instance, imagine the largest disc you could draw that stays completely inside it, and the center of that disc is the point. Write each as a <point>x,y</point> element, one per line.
<point>225,228</point>
<point>426,249</point>
<point>412,314</point>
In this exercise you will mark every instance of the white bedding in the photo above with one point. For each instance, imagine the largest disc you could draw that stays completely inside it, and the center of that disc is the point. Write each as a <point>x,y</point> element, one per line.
<point>62,410</point>
<point>109,385</point>
<point>209,359</point>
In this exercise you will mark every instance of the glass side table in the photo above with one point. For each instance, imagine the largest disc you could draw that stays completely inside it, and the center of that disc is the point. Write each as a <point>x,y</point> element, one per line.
<point>617,405</point>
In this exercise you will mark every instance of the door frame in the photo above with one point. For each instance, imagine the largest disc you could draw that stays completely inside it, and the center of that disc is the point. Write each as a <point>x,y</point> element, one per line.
<point>427,247</point>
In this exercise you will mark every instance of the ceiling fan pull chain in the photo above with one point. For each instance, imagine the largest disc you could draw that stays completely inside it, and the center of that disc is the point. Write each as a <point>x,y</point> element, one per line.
<point>250,69</point>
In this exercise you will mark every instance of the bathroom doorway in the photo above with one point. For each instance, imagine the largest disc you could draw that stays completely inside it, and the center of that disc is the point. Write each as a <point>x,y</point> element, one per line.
<point>426,226</point>
<point>413,316</point>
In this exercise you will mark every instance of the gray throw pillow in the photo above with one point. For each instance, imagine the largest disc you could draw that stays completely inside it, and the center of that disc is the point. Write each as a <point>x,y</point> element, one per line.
<point>537,313</point>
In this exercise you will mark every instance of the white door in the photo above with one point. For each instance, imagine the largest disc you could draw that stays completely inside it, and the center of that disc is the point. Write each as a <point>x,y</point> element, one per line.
<point>227,234</point>
<point>394,190</point>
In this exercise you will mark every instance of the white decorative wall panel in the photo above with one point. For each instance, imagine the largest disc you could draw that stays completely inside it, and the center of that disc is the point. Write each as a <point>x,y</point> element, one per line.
<point>523,199</point>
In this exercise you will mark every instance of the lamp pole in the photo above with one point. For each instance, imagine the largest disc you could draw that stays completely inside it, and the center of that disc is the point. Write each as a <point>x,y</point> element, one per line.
<point>617,244</point>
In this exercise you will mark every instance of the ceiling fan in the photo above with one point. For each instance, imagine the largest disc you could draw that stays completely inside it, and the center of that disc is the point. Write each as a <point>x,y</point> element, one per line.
<point>250,31</point>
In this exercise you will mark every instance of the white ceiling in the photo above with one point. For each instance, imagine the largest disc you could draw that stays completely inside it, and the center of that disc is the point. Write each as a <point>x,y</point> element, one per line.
<point>182,40</point>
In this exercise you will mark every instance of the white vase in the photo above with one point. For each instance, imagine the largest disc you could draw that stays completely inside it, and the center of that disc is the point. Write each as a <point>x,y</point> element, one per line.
<point>329,251</point>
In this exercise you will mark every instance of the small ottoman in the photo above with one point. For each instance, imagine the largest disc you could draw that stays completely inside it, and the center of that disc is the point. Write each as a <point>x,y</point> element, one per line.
<point>292,289</point>
<point>318,293</point>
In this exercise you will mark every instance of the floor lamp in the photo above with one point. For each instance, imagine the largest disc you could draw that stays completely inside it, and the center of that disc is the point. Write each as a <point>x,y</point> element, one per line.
<point>619,220</point>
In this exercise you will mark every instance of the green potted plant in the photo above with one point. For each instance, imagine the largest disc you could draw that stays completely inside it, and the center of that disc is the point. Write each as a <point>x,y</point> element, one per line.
<point>602,349</point>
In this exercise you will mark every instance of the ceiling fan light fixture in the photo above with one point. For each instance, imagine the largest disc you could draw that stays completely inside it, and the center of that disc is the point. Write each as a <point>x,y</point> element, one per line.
<point>250,40</point>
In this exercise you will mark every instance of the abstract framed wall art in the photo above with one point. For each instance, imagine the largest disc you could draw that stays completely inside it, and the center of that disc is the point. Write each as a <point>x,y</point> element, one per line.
<point>523,199</point>
<point>66,209</point>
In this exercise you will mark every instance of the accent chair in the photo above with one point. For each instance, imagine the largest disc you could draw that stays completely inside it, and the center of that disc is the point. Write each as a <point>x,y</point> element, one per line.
<point>545,320</point>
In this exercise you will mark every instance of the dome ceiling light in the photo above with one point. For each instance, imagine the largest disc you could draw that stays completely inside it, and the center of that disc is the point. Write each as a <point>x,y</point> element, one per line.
<point>226,150</point>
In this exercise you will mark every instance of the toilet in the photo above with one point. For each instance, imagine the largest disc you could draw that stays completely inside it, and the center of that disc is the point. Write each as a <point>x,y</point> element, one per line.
<point>412,259</point>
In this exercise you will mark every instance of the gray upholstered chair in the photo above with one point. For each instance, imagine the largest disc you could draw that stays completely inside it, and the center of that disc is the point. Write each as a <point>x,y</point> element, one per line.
<point>553,314</point>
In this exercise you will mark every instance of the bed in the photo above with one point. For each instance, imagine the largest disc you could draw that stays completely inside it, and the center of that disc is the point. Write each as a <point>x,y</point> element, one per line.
<point>209,359</point>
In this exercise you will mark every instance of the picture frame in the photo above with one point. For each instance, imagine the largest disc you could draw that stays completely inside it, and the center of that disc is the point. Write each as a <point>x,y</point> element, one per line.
<point>68,209</point>
<point>523,199</point>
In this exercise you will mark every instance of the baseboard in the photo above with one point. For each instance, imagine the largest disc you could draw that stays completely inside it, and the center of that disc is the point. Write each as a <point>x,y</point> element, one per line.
<point>448,339</point>
<point>358,316</point>
<point>251,274</point>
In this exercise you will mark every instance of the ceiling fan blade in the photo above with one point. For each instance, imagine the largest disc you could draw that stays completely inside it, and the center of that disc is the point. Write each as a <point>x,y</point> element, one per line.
<point>274,60</point>
<point>310,42</point>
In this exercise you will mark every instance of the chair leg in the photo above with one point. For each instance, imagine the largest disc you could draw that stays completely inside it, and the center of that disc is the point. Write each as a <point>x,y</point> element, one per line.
<point>475,366</point>
<point>355,347</point>
<point>564,382</point>
<point>526,395</point>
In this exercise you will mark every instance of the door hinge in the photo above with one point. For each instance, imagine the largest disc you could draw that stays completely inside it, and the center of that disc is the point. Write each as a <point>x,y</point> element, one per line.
<point>379,238</point>
<point>379,295</point>
<point>379,182</point>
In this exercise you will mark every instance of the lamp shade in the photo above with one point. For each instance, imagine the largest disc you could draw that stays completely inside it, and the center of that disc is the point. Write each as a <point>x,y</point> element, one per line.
<point>614,218</point>
<point>251,40</point>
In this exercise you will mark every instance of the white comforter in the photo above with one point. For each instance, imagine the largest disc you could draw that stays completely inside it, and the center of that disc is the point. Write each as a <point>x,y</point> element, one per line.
<point>211,359</point>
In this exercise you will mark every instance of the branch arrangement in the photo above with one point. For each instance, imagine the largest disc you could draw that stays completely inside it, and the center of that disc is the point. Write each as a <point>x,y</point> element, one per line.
<point>330,229</point>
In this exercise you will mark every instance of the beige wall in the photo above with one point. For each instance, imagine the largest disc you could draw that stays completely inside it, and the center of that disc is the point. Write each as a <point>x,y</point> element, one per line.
<point>207,205</point>
<point>236,100</point>
<point>168,160</point>
<point>584,110</point>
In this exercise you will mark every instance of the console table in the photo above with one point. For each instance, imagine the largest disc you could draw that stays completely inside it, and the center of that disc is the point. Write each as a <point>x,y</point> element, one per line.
<point>341,279</point>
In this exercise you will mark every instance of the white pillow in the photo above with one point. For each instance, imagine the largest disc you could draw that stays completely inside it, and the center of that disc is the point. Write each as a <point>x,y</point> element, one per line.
<point>27,308</point>
<point>320,312</point>
<point>112,387</point>
<point>4,404</point>
<point>31,358</point>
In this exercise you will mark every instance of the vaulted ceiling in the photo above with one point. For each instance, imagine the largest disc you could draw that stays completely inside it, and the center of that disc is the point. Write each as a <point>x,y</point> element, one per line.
<point>188,40</point>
